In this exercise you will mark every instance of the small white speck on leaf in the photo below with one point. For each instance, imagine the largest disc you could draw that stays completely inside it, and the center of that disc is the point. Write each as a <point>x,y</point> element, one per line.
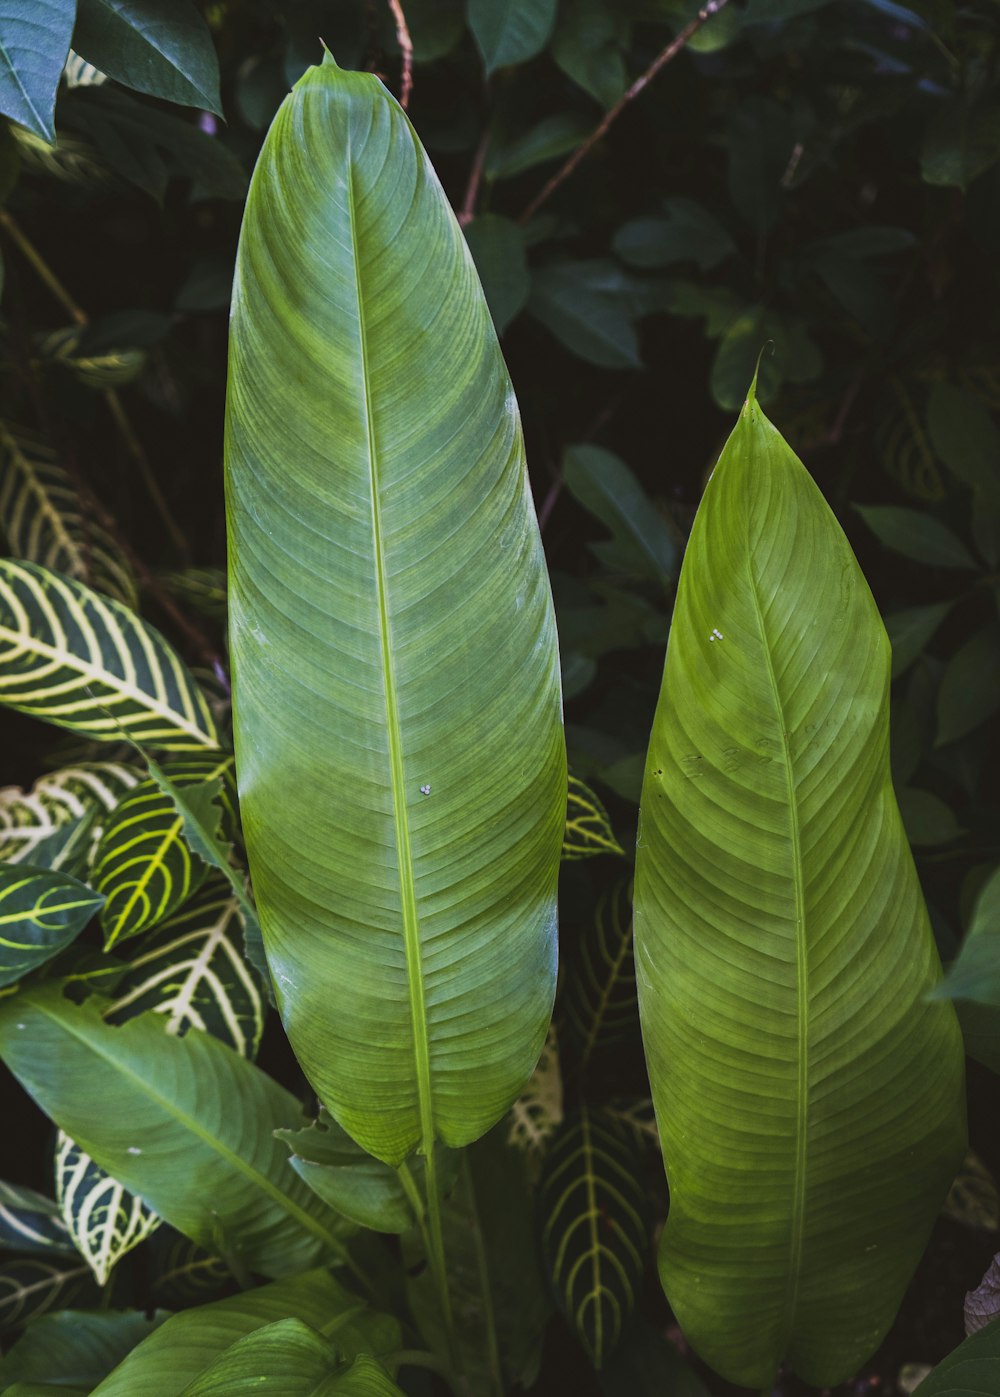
<point>425,790</point>
<point>134,1149</point>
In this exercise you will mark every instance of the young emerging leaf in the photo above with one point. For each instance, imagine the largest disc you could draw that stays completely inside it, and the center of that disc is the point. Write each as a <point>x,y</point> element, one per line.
<point>396,683</point>
<point>809,1097</point>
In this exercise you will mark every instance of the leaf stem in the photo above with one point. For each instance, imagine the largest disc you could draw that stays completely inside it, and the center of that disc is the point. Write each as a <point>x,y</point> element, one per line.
<point>406,49</point>
<point>662,59</point>
<point>79,316</point>
<point>435,1257</point>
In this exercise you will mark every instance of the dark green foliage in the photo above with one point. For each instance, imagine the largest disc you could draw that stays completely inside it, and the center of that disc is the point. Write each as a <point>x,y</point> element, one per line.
<point>814,179</point>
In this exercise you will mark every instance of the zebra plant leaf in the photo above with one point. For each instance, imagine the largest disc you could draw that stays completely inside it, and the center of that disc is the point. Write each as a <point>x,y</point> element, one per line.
<point>184,1123</point>
<point>538,1111</point>
<point>588,829</point>
<point>33,821</point>
<point>44,520</point>
<point>184,1274</point>
<point>104,1220</point>
<point>595,1228</point>
<point>40,914</point>
<point>600,1004</point>
<point>809,1097</point>
<point>397,704</point>
<point>83,661</point>
<point>33,1285</point>
<point>31,1223</point>
<point>144,864</point>
<point>192,970</point>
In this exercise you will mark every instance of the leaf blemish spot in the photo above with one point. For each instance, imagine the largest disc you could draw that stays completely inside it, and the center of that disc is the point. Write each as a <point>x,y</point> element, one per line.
<point>425,790</point>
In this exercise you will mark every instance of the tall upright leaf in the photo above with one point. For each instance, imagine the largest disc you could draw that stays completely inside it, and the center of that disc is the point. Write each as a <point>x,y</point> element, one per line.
<point>809,1097</point>
<point>396,701</point>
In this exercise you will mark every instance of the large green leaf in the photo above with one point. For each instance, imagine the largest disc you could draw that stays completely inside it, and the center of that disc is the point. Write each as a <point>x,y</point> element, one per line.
<point>87,663</point>
<point>184,1123</point>
<point>34,42</point>
<point>188,1343</point>
<point>74,1347</point>
<point>162,47</point>
<point>290,1359</point>
<point>40,913</point>
<point>973,1368</point>
<point>809,1098</point>
<point>396,699</point>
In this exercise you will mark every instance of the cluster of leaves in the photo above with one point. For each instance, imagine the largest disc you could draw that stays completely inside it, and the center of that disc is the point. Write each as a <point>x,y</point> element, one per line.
<point>821,176</point>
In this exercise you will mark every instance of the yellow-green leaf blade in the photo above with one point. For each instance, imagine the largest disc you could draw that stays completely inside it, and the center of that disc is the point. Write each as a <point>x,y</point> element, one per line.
<point>396,702</point>
<point>809,1099</point>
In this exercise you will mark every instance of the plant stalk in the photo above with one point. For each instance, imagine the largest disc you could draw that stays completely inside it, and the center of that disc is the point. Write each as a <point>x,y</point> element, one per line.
<point>436,1251</point>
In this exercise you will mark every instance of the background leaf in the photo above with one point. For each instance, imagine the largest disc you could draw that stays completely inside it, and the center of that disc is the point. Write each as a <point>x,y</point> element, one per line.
<point>510,31</point>
<point>34,42</point>
<point>40,914</point>
<point>162,47</point>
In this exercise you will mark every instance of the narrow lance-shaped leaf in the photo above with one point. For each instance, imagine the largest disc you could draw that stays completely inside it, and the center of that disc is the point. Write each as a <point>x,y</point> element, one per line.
<point>396,703</point>
<point>85,662</point>
<point>809,1097</point>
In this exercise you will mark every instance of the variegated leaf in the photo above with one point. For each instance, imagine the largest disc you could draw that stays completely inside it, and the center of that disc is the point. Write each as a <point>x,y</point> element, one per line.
<point>44,520</point>
<point>588,829</point>
<point>193,970</point>
<point>972,1198</point>
<point>103,1218</point>
<point>144,864</point>
<point>594,1235</point>
<point>183,1274</point>
<point>108,369</point>
<point>600,1002</point>
<point>83,661</point>
<point>538,1111</point>
<point>30,820</point>
<point>636,1114</point>
<point>30,1222</point>
<point>32,1286</point>
<point>41,912</point>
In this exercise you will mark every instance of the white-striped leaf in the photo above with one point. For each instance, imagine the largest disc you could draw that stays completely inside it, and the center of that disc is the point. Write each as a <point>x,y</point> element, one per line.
<point>30,1222</point>
<point>85,662</point>
<point>184,1274</point>
<point>104,1220</point>
<point>40,913</point>
<point>588,829</point>
<point>33,1285</point>
<point>193,970</point>
<point>44,519</point>
<point>31,820</point>
<point>538,1111</point>
<point>594,1236</point>
<point>144,865</point>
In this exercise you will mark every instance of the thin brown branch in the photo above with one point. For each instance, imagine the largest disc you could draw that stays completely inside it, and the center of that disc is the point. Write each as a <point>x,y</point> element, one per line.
<point>135,448</point>
<point>468,210</point>
<point>671,51</point>
<point>406,49</point>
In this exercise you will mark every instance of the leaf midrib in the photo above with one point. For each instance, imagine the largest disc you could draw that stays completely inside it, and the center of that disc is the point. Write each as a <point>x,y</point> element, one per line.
<point>171,1109</point>
<point>801,971</point>
<point>407,888</point>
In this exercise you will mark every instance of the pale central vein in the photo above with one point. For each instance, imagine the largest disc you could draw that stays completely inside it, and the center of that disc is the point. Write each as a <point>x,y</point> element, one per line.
<point>407,888</point>
<point>801,979</point>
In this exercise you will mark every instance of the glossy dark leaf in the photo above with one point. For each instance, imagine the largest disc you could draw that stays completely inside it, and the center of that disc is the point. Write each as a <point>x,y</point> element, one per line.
<point>75,1347</point>
<point>507,33</point>
<point>34,42</point>
<point>161,47</point>
<point>497,246</point>
<point>970,687</point>
<point>919,536</point>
